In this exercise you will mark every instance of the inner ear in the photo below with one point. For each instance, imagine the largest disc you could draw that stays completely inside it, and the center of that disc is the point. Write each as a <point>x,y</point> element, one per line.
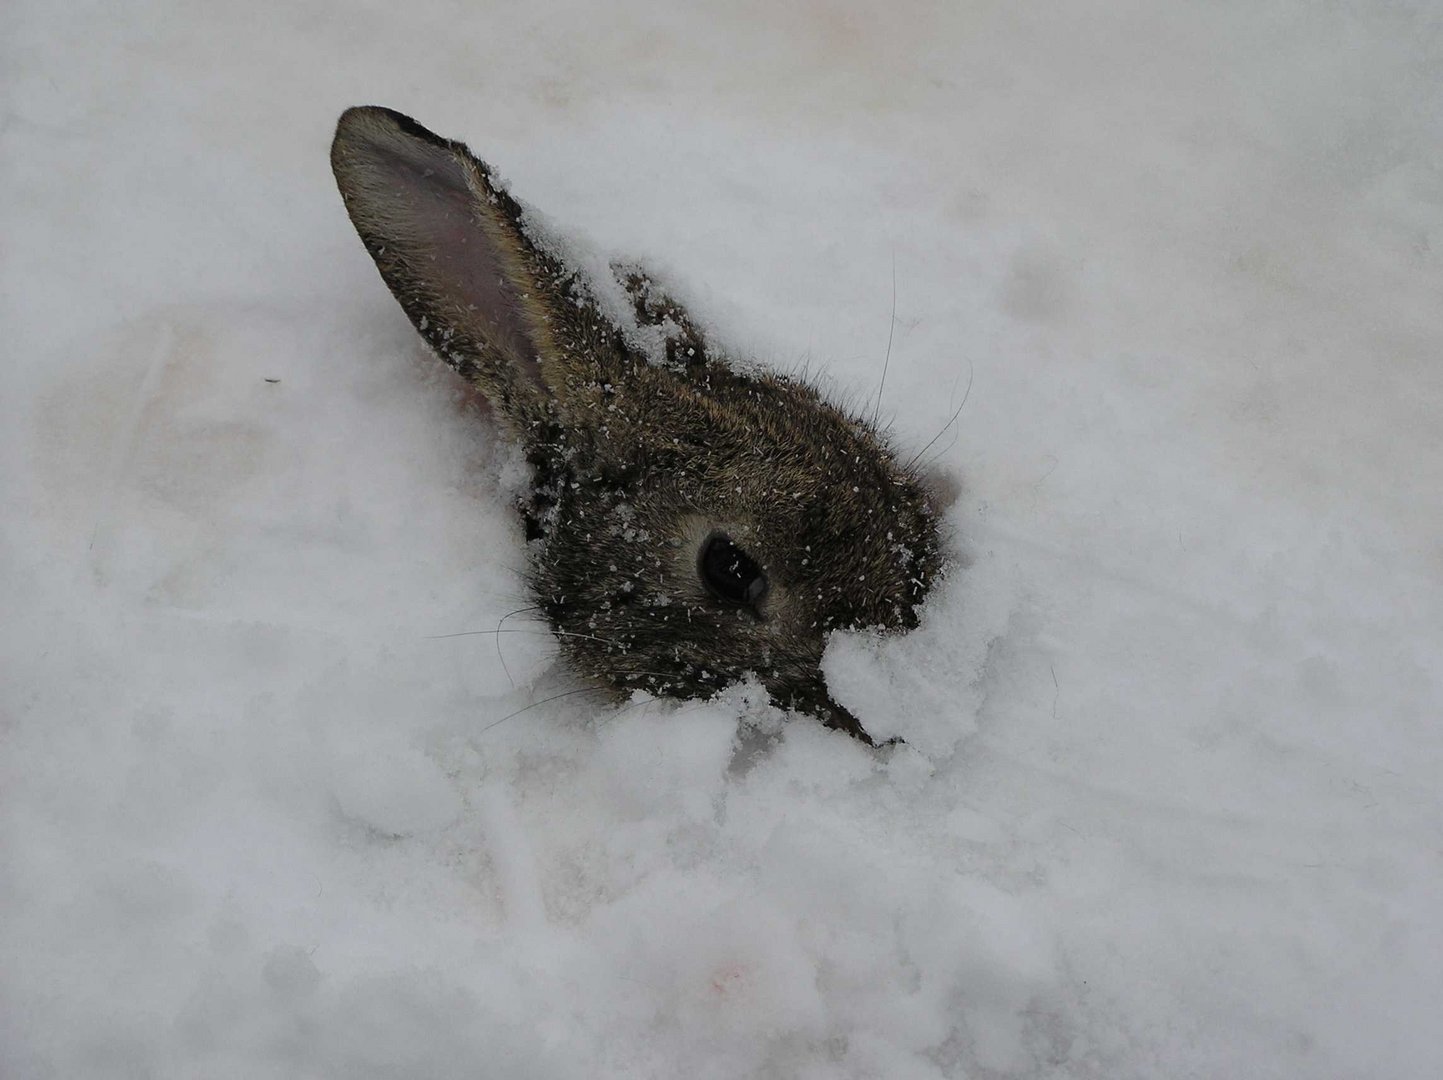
<point>450,248</point>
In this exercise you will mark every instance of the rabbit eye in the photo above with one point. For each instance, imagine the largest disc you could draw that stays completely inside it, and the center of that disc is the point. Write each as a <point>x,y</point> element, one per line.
<point>728,572</point>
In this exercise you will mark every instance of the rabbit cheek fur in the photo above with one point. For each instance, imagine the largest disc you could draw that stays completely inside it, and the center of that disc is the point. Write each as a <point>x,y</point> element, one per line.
<point>638,465</point>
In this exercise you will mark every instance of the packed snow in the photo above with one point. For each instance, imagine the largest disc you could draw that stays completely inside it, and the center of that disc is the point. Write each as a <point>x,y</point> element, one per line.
<point>277,797</point>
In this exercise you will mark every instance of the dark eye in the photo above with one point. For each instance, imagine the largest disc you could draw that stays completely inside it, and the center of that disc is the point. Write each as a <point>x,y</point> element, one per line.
<point>728,572</point>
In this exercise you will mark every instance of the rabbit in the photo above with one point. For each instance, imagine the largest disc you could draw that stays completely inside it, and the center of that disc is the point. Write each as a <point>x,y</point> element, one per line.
<point>693,523</point>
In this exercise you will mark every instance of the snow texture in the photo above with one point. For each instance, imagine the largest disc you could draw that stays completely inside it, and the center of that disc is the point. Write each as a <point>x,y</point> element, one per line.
<point>1170,801</point>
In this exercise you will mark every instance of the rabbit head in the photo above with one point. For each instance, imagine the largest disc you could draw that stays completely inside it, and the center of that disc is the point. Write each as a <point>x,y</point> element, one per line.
<point>691,522</point>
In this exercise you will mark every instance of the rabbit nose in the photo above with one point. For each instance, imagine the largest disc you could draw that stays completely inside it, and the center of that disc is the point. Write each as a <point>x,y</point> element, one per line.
<point>834,716</point>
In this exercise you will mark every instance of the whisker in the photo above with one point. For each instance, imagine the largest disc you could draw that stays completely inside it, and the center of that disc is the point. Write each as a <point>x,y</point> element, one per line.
<point>543,701</point>
<point>519,630</point>
<point>621,675</point>
<point>682,705</point>
<point>499,624</point>
<point>518,611</point>
<point>971,371</point>
<point>891,329</point>
<point>578,690</point>
<point>940,454</point>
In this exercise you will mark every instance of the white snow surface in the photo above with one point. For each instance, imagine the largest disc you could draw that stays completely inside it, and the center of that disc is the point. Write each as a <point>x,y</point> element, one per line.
<point>1171,802</point>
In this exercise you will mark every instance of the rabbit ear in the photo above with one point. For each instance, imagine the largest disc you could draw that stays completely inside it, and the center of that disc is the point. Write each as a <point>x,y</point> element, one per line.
<point>451,250</point>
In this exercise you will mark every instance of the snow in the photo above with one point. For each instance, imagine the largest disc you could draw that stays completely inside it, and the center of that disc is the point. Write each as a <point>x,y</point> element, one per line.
<point>1169,802</point>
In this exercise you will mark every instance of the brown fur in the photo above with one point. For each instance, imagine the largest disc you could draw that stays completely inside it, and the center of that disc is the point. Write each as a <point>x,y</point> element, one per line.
<point>637,462</point>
